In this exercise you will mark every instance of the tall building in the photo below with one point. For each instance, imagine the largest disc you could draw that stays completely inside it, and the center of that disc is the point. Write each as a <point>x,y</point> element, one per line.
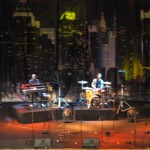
<point>24,37</point>
<point>145,24</point>
<point>7,59</point>
<point>71,44</point>
<point>145,45</point>
<point>102,45</point>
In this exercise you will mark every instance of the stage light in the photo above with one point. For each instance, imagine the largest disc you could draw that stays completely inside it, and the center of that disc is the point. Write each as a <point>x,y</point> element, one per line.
<point>67,114</point>
<point>132,114</point>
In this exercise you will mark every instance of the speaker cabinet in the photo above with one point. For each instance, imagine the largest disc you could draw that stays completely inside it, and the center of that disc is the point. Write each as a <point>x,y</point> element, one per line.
<point>42,143</point>
<point>90,143</point>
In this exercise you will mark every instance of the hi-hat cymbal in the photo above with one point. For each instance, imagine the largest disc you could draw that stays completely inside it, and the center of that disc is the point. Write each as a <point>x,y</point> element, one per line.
<point>82,82</point>
<point>108,83</point>
<point>107,86</point>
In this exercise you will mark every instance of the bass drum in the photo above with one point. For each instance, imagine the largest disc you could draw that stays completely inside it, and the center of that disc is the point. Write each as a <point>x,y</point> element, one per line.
<point>88,94</point>
<point>95,102</point>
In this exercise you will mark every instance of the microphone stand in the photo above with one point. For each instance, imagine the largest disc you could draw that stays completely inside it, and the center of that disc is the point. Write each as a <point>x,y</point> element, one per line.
<point>122,101</point>
<point>129,107</point>
<point>60,99</point>
<point>32,133</point>
<point>135,130</point>
<point>81,96</point>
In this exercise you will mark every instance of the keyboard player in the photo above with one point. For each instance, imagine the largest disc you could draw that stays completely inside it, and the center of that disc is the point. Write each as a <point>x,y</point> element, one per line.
<point>34,80</point>
<point>34,94</point>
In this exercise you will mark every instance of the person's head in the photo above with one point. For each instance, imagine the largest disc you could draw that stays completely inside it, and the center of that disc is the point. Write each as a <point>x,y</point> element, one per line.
<point>99,75</point>
<point>33,76</point>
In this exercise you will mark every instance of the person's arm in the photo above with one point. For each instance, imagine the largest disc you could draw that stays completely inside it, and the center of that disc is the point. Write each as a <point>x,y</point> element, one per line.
<point>93,84</point>
<point>30,81</point>
<point>37,81</point>
<point>102,83</point>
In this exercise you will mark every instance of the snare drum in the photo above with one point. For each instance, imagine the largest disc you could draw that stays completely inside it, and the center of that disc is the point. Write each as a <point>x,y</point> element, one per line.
<point>97,91</point>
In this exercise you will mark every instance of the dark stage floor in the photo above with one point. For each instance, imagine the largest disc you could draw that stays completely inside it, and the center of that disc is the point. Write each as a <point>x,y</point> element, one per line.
<point>106,133</point>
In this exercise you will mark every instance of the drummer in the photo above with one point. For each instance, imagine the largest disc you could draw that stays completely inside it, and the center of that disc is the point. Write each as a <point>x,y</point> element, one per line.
<point>97,82</point>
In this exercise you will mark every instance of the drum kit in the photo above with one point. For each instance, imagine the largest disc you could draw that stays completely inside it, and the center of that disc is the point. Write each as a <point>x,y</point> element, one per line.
<point>95,96</point>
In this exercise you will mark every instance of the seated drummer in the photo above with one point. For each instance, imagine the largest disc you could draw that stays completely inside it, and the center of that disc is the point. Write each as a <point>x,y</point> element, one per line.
<point>97,82</point>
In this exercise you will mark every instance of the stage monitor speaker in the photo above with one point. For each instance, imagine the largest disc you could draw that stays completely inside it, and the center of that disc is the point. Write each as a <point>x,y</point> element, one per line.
<point>90,143</point>
<point>42,143</point>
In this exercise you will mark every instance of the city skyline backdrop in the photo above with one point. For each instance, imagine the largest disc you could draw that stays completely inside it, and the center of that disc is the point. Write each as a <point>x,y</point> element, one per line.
<point>35,40</point>
<point>127,11</point>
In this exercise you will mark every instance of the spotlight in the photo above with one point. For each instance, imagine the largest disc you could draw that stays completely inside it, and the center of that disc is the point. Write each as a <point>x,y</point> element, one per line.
<point>67,114</point>
<point>132,114</point>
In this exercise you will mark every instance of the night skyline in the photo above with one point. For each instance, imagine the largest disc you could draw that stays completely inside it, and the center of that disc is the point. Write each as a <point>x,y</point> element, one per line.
<point>127,12</point>
<point>74,74</point>
<point>122,35</point>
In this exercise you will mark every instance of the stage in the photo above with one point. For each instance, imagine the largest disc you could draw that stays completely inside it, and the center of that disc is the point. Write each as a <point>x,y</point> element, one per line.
<point>25,114</point>
<point>89,128</point>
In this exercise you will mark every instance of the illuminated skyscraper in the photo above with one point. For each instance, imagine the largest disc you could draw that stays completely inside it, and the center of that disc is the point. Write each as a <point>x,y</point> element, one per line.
<point>102,45</point>
<point>145,45</point>
<point>24,37</point>
<point>145,23</point>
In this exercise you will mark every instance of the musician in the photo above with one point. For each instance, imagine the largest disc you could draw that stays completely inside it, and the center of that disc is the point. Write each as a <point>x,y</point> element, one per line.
<point>34,80</point>
<point>97,82</point>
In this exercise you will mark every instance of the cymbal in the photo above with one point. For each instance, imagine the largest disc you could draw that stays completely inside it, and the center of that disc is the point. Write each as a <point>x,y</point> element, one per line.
<point>108,83</point>
<point>82,82</point>
<point>87,88</point>
<point>96,89</point>
<point>107,86</point>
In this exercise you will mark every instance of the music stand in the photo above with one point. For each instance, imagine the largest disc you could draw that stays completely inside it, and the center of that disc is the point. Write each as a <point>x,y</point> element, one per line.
<point>59,99</point>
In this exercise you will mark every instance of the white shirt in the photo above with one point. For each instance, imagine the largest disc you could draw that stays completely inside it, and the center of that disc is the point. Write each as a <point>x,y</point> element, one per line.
<point>94,82</point>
